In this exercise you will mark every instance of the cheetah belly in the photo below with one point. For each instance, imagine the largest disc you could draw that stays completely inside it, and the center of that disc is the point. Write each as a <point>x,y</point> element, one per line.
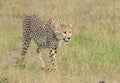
<point>42,42</point>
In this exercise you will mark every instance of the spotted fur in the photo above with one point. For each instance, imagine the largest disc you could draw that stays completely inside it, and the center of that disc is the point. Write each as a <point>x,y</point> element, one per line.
<point>45,34</point>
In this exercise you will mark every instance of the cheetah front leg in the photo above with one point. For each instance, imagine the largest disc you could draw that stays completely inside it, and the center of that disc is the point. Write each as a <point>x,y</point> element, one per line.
<point>53,66</point>
<point>39,58</point>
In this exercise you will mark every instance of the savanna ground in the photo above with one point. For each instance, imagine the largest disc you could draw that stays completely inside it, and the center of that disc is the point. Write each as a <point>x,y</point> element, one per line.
<point>91,56</point>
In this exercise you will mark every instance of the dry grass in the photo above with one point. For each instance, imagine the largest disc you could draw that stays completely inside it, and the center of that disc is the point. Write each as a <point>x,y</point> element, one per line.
<point>91,56</point>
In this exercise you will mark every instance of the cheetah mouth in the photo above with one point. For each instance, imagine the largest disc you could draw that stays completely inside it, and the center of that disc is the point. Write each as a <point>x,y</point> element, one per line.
<point>65,40</point>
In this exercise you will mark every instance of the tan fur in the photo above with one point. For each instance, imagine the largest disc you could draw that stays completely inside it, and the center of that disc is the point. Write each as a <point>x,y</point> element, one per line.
<point>46,34</point>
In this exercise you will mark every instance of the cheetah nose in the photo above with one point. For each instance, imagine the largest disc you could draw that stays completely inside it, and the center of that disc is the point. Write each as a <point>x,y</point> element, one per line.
<point>69,38</point>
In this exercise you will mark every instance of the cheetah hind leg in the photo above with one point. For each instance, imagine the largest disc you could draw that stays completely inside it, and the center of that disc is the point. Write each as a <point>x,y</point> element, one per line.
<point>39,59</point>
<point>26,43</point>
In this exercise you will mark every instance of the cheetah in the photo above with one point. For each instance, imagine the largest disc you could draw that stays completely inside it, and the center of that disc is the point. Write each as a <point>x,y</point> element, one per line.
<point>46,34</point>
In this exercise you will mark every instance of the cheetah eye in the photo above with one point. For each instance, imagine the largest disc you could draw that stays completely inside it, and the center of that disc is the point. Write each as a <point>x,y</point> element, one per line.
<point>64,32</point>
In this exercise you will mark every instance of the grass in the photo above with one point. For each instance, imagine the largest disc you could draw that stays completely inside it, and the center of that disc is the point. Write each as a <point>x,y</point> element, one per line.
<point>91,56</point>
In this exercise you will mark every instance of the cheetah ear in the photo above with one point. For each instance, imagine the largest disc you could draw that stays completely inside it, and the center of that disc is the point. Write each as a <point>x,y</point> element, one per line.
<point>53,19</point>
<point>70,25</point>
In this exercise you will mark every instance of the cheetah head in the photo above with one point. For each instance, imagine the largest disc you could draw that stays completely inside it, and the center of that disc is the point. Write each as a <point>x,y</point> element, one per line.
<point>62,31</point>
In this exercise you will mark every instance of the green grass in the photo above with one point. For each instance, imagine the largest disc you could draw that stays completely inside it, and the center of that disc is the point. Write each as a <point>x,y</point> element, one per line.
<point>92,55</point>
